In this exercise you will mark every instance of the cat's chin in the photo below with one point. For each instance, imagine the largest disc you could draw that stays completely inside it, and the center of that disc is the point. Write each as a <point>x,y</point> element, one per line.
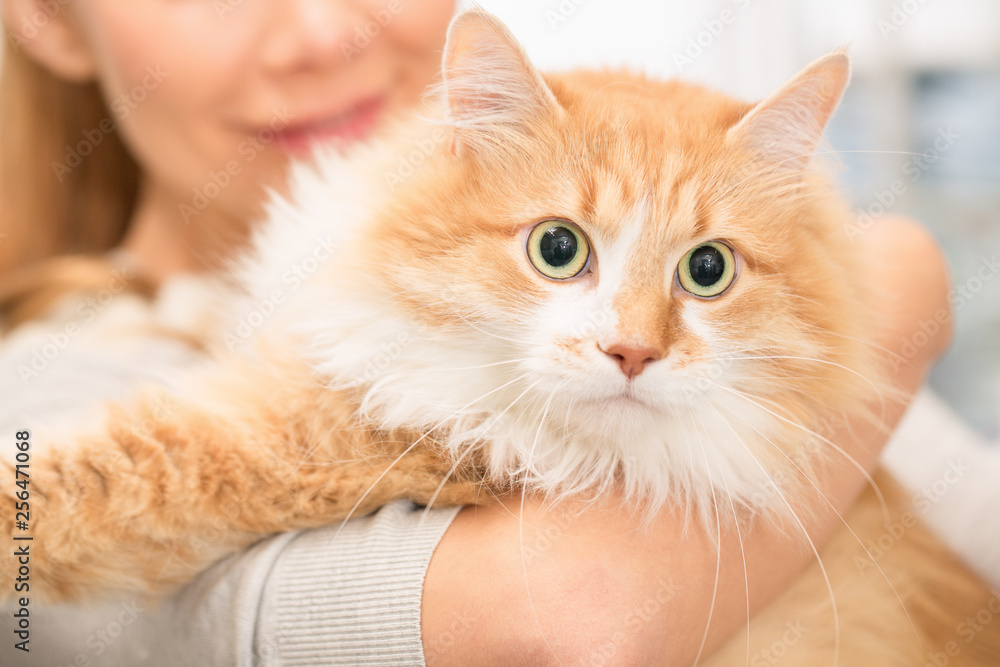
<point>622,415</point>
<point>629,404</point>
<point>625,403</point>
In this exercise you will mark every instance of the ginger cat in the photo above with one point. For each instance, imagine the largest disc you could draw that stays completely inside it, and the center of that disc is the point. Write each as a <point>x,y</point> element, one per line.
<point>591,279</point>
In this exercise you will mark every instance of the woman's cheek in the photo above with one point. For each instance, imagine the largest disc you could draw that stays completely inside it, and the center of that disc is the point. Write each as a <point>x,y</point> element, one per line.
<point>420,24</point>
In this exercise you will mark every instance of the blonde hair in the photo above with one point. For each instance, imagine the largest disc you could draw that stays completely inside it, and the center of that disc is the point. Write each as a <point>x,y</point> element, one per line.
<point>67,187</point>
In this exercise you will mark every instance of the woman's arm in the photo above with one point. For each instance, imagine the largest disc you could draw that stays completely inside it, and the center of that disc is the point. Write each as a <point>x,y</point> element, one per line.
<point>519,583</point>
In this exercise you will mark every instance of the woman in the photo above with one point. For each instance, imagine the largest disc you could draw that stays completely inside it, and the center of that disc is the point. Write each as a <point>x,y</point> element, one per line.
<point>152,129</point>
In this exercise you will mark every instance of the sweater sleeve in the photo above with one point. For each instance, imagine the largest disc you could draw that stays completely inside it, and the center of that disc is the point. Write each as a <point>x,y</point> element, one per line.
<point>351,596</point>
<point>328,596</point>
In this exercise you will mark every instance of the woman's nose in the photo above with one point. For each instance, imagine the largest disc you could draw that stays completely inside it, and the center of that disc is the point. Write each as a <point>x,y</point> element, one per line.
<point>305,34</point>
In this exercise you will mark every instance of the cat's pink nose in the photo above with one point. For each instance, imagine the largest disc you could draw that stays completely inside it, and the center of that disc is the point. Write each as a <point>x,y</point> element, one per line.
<point>632,360</point>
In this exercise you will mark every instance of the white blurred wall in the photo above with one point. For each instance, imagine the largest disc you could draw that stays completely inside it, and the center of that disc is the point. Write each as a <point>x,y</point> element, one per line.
<point>764,42</point>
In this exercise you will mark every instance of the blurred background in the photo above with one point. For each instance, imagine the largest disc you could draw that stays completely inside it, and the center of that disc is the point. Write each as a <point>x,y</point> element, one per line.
<point>918,131</point>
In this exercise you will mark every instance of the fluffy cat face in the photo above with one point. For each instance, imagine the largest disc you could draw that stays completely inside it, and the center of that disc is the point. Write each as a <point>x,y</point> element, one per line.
<point>594,278</point>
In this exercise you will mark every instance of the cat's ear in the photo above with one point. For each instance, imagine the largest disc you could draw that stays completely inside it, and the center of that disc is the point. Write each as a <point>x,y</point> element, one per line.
<point>785,128</point>
<point>493,91</point>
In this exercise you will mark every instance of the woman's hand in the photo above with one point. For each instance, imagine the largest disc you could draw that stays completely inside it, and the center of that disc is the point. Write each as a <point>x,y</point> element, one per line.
<point>519,583</point>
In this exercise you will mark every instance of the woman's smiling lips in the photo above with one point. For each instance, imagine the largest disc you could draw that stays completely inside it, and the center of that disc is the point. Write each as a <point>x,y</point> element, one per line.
<point>347,126</point>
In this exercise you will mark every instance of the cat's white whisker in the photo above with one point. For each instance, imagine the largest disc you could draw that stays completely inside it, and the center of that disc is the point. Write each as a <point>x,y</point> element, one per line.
<point>881,348</point>
<point>840,517</point>
<point>792,295</point>
<point>783,377</point>
<point>853,461</point>
<point>718,554</point>
<point>721,195</point>
<point>444,481</point>
<point>417,441</point>
<point>491,365</point>
<point>935,157</point>
<point>875,388</point>
<point>739,535</point>
<point>728,353</point>
<point>518,341</point>
<point>470,448</point>
<point>524,490</point>
<point>812,545</point>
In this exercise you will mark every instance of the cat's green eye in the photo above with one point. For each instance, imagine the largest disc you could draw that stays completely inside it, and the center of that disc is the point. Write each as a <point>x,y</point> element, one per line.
<point>707,270</point>
<point>558,249</point>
